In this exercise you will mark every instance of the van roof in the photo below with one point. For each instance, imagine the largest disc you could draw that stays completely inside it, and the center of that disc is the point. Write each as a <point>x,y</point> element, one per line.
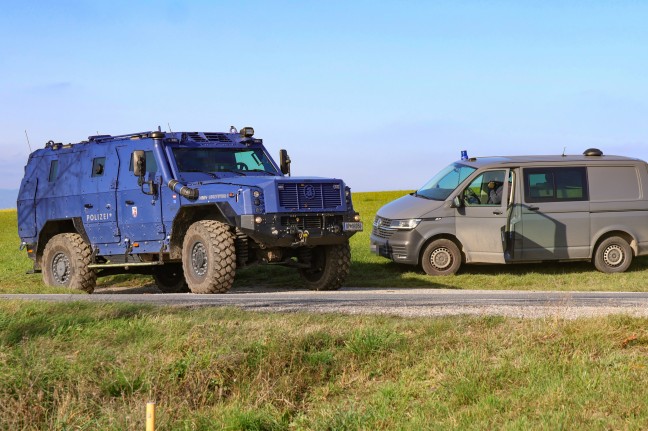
<point>553,159</point>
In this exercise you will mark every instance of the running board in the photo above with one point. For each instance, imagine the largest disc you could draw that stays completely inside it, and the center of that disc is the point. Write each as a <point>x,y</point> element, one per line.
<point>123,265</point>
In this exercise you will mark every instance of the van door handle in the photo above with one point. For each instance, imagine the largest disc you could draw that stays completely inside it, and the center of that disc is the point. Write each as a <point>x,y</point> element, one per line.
<point>88,206</point>
<point>129,202</point>
<point>497,212</point>
<point>534,208</point>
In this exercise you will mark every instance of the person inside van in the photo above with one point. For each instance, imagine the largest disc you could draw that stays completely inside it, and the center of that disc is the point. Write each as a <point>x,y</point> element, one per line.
<point>495,189</point>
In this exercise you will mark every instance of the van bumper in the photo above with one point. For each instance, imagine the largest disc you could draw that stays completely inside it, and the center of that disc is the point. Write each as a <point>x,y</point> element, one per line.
<point>401,246</point>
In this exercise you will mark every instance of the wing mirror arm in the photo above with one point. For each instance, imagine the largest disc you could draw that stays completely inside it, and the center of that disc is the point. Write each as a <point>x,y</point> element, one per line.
<point>139,170</point>
<point>457,202</point>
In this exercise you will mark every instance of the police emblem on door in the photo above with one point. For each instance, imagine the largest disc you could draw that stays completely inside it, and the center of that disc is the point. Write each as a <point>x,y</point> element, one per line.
<point>309,192</point>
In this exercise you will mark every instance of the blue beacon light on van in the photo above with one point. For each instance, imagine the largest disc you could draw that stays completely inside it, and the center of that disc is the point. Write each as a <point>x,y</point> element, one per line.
<point>464,155</point>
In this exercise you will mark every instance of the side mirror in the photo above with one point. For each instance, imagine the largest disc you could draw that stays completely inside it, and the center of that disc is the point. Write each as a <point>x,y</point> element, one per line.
<point>457,202</point>
<point>139,163</point>
<point>284,162</point>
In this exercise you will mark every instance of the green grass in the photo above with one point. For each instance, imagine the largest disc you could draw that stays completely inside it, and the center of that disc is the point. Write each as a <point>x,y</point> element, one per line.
<point>82,366</point>
<point>85,366</point>
<point>367,269</point>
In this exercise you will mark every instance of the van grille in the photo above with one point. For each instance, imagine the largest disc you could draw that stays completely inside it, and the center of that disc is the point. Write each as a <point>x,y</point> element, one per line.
<point>297,196</point>
<point>381,227</point>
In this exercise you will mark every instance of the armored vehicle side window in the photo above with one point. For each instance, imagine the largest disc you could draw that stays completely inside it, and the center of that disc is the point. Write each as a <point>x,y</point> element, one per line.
<point>53,173</point>
<point>555,184</point>
<point>98,164</point>
<point>151,164</point>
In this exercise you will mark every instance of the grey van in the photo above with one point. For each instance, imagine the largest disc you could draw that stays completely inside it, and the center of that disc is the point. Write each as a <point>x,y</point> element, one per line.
<point>521,209</point>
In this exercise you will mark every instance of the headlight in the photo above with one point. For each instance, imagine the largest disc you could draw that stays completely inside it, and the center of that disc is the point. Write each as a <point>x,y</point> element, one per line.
<point>256,193</point>
<point>406,224</point>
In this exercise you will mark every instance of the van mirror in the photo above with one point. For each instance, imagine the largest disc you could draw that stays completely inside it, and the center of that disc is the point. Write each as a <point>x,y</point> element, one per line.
<point>139,163</point>
<point>457,202</point>
<point>284,162</point>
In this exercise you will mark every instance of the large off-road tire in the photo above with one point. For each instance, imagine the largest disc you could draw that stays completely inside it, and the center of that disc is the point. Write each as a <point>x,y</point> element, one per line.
<point>209,257</point>
<point>170,278</point>
<point>65,263</point>
<point>330,265</point>
<point>441,257</point>
<point>613,254</point>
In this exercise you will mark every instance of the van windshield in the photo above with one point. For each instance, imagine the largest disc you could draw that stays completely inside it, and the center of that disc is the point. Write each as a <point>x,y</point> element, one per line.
<point>443,183</point>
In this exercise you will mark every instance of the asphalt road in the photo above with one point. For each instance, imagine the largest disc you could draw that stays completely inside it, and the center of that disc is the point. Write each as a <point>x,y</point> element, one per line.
<point>397,301</point>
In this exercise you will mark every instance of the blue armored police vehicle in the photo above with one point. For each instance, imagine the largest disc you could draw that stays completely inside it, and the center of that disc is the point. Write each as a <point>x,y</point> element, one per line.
<point>186,207</point>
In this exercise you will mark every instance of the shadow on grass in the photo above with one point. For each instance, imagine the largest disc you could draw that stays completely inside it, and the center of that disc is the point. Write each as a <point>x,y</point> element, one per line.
<point>61,319</point>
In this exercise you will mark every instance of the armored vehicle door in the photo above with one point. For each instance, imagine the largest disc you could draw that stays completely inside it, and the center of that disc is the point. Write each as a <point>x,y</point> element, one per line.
<point>139,206</point>
<point>98,193</point>
<point>481,221</point>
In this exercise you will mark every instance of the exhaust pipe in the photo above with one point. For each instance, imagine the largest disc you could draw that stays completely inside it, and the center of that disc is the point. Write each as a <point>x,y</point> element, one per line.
<point>172,183</point>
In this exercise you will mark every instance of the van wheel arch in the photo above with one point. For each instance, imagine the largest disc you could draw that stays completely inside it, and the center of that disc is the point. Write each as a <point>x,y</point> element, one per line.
<point>622,234</point>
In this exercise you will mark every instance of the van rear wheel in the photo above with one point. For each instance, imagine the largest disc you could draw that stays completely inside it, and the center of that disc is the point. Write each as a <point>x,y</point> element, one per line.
<point>65,263</point>
<point>613,255</point>
<point>441,257</point>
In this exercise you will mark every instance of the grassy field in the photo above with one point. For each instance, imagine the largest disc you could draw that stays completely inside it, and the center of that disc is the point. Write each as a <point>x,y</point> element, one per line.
<point>81,366</point>
<point>93,367</point>
<point>367,269</point>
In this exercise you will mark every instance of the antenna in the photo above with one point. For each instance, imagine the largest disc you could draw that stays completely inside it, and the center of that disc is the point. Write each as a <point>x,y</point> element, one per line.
<point>564,149</point>
<point>28,144</point>
<point>159,129</point>
<point>168,124</point>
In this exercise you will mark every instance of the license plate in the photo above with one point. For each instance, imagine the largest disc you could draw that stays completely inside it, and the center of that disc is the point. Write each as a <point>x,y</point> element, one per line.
<point>352,226</point>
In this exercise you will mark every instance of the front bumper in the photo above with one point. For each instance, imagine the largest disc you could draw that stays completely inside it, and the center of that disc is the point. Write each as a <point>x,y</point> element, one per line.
<point>300,229</point>
<point>399,246</point>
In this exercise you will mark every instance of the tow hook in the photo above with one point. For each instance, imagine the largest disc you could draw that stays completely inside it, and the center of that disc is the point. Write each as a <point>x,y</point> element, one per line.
<point>302,237</point>
<point>22,246</point>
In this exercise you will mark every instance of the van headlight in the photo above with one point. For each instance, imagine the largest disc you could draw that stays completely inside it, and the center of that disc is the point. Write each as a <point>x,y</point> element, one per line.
<point>405,224</point>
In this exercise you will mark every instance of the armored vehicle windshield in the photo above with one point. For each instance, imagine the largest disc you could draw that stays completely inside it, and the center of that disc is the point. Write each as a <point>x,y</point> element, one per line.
<point>233,160</point>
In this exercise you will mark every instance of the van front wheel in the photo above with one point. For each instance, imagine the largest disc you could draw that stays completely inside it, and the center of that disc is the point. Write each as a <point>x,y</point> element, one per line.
<point>441,257</point>
<point>613,255</point>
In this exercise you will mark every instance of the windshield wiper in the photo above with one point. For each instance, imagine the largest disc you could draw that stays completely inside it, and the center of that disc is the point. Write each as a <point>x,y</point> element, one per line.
<point>202,172</point>
<point>274,174</point>
<point>234,171</point>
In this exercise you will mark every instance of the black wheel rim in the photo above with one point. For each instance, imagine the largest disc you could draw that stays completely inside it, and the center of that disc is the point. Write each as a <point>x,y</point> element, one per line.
<point>199,259</point>
<point>61,268</point>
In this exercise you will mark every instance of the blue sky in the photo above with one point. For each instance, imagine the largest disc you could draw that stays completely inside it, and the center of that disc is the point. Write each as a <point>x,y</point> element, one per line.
<point>379,93</point>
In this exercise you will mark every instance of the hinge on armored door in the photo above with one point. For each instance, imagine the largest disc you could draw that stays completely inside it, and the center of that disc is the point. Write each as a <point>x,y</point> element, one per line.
<point>113,184</point>
<point>160,228</point>
<point>116,231</point>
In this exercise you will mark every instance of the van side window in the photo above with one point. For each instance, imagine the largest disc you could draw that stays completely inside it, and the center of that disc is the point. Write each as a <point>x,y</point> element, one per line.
<point>555,184</point>
<point>98,164</point>
<point>53,173</point>
<point>486,189</point>
<point>151,164</point>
